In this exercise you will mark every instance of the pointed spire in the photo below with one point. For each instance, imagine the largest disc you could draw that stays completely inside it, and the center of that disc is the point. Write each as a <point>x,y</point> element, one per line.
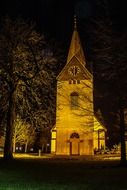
<point>75,49</point>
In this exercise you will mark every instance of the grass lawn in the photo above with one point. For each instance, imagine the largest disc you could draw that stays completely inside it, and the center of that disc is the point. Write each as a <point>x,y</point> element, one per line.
<point>57,174</point>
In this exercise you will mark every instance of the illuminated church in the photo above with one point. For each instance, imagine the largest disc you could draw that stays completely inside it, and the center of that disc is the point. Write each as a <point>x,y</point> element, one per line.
<point>77,131</point>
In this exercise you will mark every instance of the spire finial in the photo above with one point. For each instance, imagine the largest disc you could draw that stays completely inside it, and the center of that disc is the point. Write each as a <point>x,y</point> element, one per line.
<point>75,22</point>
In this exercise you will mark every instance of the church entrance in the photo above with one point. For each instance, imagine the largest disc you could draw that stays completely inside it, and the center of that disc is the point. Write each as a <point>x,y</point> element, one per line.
<point>74,144</point>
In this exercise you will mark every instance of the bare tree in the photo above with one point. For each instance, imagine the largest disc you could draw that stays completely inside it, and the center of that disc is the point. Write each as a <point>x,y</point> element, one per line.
<point>110,69</point>
<point>23,75</point>
<point>24,134</point>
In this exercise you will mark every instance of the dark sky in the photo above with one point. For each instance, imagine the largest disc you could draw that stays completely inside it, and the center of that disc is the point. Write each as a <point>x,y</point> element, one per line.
<point>55,17</point>
<point>52,16</point>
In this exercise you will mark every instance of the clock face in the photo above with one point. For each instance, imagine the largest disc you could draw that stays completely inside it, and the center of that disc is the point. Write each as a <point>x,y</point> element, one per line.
<point>74,70</point>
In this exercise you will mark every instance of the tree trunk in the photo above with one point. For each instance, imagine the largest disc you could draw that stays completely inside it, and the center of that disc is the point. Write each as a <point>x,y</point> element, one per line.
<point>14,142</point>
<point>122,137</point>
<point>8,147</point>
<point>42,148</point>
<point>26,145</point>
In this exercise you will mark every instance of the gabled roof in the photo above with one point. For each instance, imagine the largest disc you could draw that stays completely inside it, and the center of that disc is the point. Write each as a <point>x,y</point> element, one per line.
<point>98,125</point>
<point>85,72</point>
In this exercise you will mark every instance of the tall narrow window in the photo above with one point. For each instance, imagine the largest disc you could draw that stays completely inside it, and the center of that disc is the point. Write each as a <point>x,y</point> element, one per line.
<point>74,100</point>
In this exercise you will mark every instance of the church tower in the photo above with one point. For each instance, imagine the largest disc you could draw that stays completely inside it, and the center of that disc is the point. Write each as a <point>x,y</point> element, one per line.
<point>74,132</point>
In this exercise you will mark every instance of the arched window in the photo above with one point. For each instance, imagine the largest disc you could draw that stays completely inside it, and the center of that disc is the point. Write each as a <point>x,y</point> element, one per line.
<point>74,100</point>
<point>74,135</point>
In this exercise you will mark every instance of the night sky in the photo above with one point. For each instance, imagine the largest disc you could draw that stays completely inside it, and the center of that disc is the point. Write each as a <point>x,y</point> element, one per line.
<point>55,17</point>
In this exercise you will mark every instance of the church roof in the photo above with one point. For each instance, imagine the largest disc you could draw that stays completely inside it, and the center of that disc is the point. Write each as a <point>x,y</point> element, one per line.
<point>98,125</point>
<point>75,54</point>
<point>76,49</point>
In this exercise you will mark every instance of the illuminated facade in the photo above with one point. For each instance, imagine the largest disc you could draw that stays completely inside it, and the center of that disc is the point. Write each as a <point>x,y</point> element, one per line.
<point>77,131</point>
